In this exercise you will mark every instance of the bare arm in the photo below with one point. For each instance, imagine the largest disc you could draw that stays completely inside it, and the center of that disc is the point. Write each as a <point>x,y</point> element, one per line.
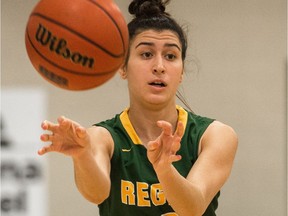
<point>192,195</point>
<point>90,149</point>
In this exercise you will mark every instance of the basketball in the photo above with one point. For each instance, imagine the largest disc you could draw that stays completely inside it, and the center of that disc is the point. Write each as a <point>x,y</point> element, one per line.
<point>76,45</point>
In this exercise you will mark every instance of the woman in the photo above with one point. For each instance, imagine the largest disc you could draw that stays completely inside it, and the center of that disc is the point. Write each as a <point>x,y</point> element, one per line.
<point>154,158</point>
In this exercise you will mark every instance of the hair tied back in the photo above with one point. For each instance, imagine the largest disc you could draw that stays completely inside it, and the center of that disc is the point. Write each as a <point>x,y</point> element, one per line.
<point>148,8</point>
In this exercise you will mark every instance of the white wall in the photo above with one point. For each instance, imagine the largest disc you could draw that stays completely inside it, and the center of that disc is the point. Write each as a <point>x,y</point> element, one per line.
<point>240,47</point>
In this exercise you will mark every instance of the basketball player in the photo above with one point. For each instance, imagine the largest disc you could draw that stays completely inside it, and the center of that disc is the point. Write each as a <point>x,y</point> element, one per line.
<point>154,158</point>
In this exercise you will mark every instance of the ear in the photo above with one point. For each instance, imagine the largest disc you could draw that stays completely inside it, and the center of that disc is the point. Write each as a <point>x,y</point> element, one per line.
<point>123,73</point>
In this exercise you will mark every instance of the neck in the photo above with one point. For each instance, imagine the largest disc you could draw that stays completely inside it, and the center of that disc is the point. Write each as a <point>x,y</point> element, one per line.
<point>144,120</point>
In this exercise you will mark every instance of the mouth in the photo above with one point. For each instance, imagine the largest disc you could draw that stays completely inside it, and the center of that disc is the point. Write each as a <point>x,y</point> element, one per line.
<point>158,84</point>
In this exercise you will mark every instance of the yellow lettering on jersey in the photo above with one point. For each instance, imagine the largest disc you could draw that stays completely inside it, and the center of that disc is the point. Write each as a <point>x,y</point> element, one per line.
<point>157,195</point>
<point>127,192</point>
<point>142,194</point>
<point>145,193</point>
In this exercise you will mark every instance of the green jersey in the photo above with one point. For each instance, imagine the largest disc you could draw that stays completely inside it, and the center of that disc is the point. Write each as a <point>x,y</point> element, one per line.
<point>135,189</point>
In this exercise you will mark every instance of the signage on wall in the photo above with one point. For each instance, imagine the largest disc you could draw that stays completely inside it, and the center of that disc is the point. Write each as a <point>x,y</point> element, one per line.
<point>23,172</point>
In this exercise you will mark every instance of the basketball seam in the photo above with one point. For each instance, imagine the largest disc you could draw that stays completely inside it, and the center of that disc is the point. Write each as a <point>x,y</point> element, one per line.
<point>65,69</point>
<point>82,36</point>
<point>113,20</point>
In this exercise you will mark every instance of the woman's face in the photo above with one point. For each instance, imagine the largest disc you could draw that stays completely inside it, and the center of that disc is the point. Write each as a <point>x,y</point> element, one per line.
<point>155,67</point>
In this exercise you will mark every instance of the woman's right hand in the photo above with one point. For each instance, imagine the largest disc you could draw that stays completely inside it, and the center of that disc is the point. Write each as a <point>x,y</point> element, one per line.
<point>66,137</point>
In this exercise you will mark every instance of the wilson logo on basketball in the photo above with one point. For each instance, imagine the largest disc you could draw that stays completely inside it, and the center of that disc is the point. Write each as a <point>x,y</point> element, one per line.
<point>59,46</point>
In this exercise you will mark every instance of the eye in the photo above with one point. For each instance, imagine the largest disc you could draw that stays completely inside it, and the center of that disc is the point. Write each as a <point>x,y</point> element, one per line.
<point>170,56</point>
<point>146,55</point>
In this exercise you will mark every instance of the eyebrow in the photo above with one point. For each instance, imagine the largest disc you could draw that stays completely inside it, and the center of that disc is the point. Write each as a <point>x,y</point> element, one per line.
<point>152,44</point>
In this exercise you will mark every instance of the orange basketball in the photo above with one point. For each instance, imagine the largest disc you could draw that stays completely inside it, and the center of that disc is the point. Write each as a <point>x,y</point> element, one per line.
<point>76,44</point>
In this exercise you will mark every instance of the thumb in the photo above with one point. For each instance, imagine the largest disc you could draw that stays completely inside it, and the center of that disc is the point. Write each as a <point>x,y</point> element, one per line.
<point>152,145</point>
<point>81,132</point>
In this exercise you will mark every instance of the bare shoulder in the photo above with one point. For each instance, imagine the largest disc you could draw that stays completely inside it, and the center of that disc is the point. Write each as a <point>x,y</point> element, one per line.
<point>97,130</point>
<point>224,129</point>
<point>101,139</point>
<point>220,135</point>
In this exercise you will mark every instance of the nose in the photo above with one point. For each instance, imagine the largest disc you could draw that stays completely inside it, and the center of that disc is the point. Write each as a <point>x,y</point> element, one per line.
<point>159,67</point>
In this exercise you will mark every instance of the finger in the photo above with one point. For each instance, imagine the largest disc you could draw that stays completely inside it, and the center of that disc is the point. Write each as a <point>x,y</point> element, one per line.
<point>45,150</point>
<point>47,125</point>
<point>41,151</point>
<point>166,127</point>
<point>174,158</point>
<point>152,146</point>
<point>175,146</point>
<point>64,122</point>
<point>180,129</point>
<point>46,137</point>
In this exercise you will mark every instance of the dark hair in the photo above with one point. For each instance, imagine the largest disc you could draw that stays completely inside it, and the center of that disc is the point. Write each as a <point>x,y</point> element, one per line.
<point>150,14</point>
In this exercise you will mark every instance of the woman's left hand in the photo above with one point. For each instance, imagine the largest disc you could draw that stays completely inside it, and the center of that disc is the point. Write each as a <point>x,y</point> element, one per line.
<point>162,151</point>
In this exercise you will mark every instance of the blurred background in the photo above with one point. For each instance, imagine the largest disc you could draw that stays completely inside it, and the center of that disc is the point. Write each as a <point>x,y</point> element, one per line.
<point>235,72</point>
